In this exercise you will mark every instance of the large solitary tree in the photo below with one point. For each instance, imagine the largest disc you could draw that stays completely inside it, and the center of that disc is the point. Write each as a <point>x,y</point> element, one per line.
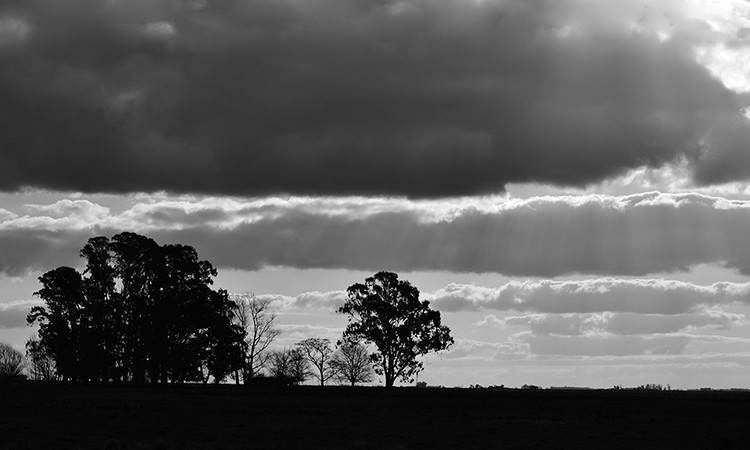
<point>387,312</point>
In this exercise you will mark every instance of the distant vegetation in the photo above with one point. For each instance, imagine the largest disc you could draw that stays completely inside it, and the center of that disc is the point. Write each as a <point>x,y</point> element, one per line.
<point>141,312</point>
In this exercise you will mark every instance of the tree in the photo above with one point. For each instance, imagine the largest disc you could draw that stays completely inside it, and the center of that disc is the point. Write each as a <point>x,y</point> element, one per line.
<point>11,362</point>
<point>61,326</point>
<point>318,352</point>
<point>289,364</point>
<point>102,346</point>
<point>387,312</point>
<point>135,260</point>
<point>255,317</point>
<point>351,363</point>
<point>42,364</point>
<point>225,352</point>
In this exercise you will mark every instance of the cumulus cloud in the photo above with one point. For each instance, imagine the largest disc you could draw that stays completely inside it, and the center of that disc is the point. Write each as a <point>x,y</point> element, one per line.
<point>328,301</point>
<point>423,99</point>
<point>637,296</point>
<point>633,235</point>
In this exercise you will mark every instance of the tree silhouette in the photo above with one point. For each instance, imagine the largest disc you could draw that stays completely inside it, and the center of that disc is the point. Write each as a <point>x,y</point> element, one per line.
<point>134,261</point>
<point>61,322</point>
<point>318,352</point>
<point>42,364</point>
<point>289,365</point>
<point>139,312</point>
<point>386,311</point>
<point>351,363</point>
<point>256,320</point>
<point>11,362</point>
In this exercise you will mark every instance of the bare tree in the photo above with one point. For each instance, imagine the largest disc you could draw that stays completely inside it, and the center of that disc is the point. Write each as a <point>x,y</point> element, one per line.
<point>42,364</point>
<point>257,319</point>
<point>289,364</point>
<point>351,363</point>
<point>318,351</point>
<point>11,361</point>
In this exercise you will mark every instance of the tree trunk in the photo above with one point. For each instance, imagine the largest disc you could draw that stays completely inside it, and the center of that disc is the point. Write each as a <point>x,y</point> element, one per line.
<point>388,370</point>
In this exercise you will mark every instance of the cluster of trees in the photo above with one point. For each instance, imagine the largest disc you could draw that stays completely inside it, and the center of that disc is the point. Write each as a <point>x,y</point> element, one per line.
<point>139,312</point>
<point>143,312</point>
<point>385,312</point>
<point>314,358</point>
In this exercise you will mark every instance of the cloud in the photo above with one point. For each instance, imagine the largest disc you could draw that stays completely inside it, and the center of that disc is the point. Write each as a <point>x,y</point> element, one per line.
<point>291,334</point>
<point>546,236</point>
<point>623,324</point>
<point>13,314</point>
<point>470,348</point>
<point>338,97</point>
<point>37,250</point>
<point>636,296</point>
<point>328,301</point>
<point>606,345</point>
<point>629,235</point>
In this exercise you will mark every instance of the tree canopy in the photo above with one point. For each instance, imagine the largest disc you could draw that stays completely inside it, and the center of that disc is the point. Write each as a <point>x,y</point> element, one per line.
<point>257,321</point>
<point>387,312</point>
<point>351,363</point>
<point>318,352</point>
<point>11,362</point>
<point>139,312</point>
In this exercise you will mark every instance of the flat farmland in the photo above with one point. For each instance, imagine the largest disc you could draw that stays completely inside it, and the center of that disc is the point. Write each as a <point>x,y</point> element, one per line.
<point>61,416</point>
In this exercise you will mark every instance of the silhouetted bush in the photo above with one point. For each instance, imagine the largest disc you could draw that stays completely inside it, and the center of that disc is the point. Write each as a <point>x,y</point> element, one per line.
<point>11,364</point>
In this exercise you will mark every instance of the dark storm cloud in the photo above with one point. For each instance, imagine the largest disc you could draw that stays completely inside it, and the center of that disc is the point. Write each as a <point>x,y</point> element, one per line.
<point>436,98</point>
<point>26,250</point>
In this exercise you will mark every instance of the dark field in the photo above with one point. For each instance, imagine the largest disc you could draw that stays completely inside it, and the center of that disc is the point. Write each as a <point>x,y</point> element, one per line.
<point>217,417</point>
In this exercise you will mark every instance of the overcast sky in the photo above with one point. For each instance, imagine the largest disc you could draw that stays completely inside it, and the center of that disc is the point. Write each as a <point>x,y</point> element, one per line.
<point>567,181</point>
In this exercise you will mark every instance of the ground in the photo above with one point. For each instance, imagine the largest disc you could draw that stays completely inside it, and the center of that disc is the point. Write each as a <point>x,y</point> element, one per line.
<point>34,415</point>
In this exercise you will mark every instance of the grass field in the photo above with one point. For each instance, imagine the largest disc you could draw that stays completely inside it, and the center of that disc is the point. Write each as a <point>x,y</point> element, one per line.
<point>231,417</point>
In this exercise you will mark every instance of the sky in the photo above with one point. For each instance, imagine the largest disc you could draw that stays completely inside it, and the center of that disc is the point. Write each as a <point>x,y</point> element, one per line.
<point>566,181</point>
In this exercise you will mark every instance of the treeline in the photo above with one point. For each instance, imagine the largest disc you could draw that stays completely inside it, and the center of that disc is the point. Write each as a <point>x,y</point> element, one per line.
<point>141,312</point>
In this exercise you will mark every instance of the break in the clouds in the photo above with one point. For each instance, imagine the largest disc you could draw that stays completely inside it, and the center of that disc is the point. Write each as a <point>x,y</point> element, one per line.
<point>416,98</point>
<point>631,235</point>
